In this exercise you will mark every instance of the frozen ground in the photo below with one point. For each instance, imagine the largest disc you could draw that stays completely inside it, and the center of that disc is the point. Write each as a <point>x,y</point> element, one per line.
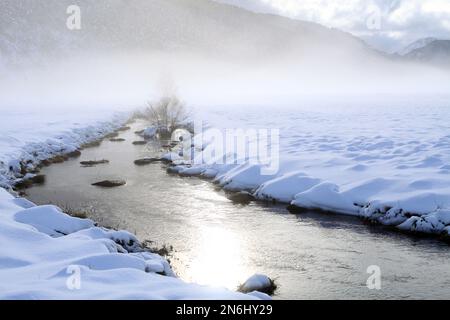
<point>388,160</point>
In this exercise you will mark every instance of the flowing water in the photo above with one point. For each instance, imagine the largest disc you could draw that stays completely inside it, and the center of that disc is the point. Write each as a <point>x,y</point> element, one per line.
<point>218,242</point>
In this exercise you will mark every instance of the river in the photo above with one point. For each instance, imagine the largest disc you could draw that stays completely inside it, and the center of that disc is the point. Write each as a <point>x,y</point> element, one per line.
<point>218,242</point>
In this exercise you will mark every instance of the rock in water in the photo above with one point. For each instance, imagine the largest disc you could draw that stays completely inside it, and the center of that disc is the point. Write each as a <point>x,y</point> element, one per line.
<point>258,282</point>
<point>145,161</point>
<point>74,154</point>
<point>93,163</point>
<point>92,144</point>
<point>241,197</point>
<point>111,135</point>
<point>38,179</point>
<point>110,183</point>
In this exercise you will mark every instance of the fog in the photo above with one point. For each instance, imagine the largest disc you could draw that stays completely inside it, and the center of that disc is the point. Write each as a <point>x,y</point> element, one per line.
<point>213,53</point>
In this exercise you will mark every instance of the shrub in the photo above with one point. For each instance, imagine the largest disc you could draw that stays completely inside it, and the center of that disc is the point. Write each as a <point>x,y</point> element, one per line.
<point>167,114</point>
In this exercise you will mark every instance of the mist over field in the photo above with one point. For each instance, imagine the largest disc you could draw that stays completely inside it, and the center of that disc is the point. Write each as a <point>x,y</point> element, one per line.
<point>213,53</point>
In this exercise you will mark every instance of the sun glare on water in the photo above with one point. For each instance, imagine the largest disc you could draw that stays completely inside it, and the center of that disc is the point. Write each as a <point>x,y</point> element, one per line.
<point>217,261</point>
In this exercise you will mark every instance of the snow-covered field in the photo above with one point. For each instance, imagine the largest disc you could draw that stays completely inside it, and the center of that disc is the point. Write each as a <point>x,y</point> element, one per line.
<point>33,134</point>
<point>384,159</point>
<point>47,254</point>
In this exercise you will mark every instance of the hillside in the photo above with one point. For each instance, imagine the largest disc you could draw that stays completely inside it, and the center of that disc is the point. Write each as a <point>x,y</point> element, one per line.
<point>436,52</point>
<point>31,29</point>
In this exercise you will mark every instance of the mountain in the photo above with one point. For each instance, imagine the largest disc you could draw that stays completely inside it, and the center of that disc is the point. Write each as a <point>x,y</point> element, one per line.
<point>416,45</point>
<point>436,52</point>
<point>209,51</point>
<point>32,29</point>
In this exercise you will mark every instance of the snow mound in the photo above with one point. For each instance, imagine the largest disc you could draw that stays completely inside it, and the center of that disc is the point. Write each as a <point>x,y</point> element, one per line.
<point>325,196</point>
<point>284,188</point>
<point>245,177</point>
<point>52,221</point>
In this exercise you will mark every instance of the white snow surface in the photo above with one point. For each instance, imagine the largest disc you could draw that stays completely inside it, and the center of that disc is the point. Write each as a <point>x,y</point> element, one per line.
<point>43,247</point>
<point>384,160</point>
<point>30,135</point>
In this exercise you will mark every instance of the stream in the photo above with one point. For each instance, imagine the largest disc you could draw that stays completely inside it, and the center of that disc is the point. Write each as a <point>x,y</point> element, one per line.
<point>221,243</point>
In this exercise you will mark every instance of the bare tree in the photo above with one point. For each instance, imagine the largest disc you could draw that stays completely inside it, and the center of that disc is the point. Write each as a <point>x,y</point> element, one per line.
<point>167,114</point>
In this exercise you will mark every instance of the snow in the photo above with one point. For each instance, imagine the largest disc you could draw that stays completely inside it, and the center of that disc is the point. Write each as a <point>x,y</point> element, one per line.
<point>325,196</point>
<point>50,220</point>
<point>41,248</point>
<point>285,187</point>
<point>244,177</point>
<point>385,159</point>
<point>416,45</point>
<point>28,137</point>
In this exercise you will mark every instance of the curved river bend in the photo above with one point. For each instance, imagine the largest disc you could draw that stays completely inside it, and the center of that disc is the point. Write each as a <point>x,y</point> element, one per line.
<point>218,242</point>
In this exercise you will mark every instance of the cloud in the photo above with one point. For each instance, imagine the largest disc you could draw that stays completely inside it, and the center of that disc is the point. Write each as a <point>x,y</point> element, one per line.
<point>400,21</point>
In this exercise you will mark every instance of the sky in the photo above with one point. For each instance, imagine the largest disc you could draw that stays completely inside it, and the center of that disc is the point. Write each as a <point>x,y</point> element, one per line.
<point>388,25</point>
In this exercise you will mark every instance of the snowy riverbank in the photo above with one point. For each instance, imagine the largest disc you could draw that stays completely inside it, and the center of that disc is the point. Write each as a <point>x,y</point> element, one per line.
<point>30,135</point>
<point>388,163</point>
<point>47,254</point>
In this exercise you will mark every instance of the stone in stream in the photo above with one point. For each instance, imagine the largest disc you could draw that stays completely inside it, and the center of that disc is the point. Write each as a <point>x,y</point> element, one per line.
<point>241,197</point>
<point>74,154</point>
<point>111,135</point>
<point>145,161</point>
<point>92,144</point>
<point>110,183</point>
<point>124,128</point>
<point>116,139</point>
<point>22,184</point>
<point>28,182</point>
<point>260,283</point>
<point>38,179</point>
<point>139,143</point>
<point>58,159</point>
<point>297,210</point>
<point>93,162</point>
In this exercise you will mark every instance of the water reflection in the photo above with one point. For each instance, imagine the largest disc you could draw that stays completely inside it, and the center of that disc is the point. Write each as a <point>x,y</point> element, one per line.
<point>217,258</point>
